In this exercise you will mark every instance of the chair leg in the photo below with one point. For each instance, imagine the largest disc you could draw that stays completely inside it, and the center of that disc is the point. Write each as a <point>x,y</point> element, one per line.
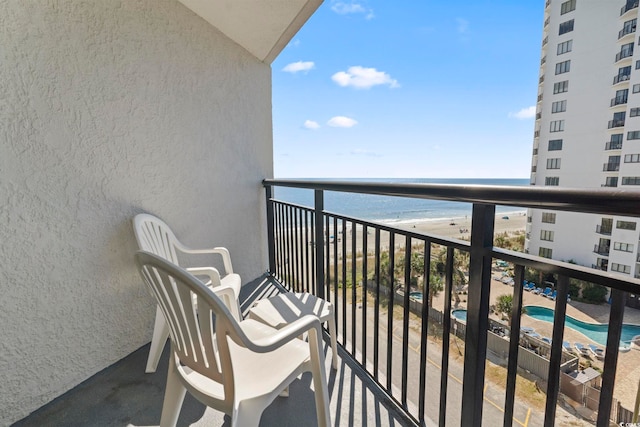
<point>319,378</point>
<point>332,337</point>
<point>160,336</point>
<point>246,415</point>
<point>173,396</point>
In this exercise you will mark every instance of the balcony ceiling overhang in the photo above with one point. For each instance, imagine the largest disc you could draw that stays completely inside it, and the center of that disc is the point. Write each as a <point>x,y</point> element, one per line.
<point>263,27</point>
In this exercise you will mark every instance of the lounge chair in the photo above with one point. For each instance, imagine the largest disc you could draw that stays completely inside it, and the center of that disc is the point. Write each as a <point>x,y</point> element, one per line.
<point>553,295</point>
<point>547,292</point>
<point>536,291</point>
<point>546,340</point>
<point>566,346</point>
<point>596,351</point>
<point>581,349</point>
<point>528,286</point>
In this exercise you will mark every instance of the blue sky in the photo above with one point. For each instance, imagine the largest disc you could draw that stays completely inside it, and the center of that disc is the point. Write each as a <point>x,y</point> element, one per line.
<point>421,89</point>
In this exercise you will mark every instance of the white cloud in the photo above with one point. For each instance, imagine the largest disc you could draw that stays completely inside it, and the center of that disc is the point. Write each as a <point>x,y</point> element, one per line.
<point>295,67</point>
<point>343,8</point>
<point>363,78</point>
<point>525,113</point>
<point>362,152</point>
<point>463,25</point>
<point>310,124</point>
<point>342,122</point>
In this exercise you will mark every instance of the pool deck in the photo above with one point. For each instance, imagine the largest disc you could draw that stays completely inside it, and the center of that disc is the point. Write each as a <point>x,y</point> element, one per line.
<point>628,369</point>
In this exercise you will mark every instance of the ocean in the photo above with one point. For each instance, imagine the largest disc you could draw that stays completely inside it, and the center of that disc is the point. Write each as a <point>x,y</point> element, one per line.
<point>396,209</point>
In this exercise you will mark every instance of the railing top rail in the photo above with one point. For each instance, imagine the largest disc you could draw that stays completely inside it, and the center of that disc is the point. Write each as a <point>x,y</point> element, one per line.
<point>603,201</point>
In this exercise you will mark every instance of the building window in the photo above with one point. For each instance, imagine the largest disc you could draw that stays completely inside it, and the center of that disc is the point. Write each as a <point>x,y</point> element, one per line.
<point>545,252</point>
<point>559,106</point>
<point>555,145</point>
<point>556,126</point>
<point>611,181</point>
<point>567,6</point>
<point>636,88</point>
<point>563,67</point>
<point>565,47</point>
<point>552,181</point>
<point>546,235</point>
<point>637,64</point>
<point>625,51</point>
<point>626,225</point>
<point>631,180</point>
<point>548,217</point>
<point>553,163</point>
<point>561,87</point>
<point>634,112</point>
<point>623,247</point>
<point>632,158</point>
<point>620,268</point>
<point>565,27</point>
<point>529,219</point>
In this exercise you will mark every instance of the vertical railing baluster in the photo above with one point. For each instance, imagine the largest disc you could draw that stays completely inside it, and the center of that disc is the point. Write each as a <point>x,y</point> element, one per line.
<point>616,316</point>
<point>327,245</point>
<point>336,280</point>
<point>296,249</point>
<point>271,239</point>
<point>376,308</point>
<point>446,333</point>
<point>514,344</point>
<point>344,282</point>
<point>353,288</point>
<point>405,320</point>
<point>392,246</point>
<point>482,226</point>
<point>555,360</point>
<point>319,243</point>
<point>365,293</point>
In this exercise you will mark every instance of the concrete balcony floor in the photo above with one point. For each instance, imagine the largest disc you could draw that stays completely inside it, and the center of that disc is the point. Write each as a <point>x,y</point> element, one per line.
<point>123,395</point>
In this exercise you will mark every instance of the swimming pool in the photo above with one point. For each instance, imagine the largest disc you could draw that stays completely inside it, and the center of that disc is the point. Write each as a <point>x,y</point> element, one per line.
<point>594,331</point>
<point>460,314</point>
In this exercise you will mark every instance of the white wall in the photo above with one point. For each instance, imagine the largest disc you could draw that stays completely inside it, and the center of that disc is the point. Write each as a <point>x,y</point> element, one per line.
<point>107,109</point>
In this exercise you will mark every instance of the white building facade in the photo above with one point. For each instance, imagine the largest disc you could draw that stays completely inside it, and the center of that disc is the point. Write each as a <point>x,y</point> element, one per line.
<point>587,130</point>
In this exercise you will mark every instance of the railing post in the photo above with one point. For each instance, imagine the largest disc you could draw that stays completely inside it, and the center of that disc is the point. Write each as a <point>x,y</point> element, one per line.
<point>482,225</point>
<point>319,242</point>
<point>271,236</point>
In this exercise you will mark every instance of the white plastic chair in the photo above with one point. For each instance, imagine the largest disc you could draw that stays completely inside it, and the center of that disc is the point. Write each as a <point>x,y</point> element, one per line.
<point>236,367</point>
<point>155,236</point>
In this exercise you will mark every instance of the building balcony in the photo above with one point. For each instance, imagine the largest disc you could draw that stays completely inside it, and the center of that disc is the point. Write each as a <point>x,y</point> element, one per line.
<point>628,6</point>
<point>402,362</point>
<point>618,100</point>
<point>613,145</point>
<point>621,78</point>
<point>624,54</point>
<point>626,31</point>
<point>615,124</point>
<point>601,249</point>
<point>603,230</point>
<point>611,167</point>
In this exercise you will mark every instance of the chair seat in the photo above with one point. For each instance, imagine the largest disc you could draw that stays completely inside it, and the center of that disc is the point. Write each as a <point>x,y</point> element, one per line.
<point>257,374</point>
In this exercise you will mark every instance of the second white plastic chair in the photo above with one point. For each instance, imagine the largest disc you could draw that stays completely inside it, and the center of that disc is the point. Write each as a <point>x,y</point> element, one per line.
<point>155,236</point>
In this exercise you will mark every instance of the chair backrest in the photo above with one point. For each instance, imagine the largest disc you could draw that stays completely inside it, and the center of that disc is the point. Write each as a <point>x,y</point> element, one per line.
<point>155,236</point>
<point>194,313</point>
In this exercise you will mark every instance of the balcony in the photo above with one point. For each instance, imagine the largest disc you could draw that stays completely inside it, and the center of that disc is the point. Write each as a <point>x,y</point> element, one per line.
<point>601,249</point>
<point>605,230</point>
<point>627,53</point>
<point>613,145</point>
<point>621,78</point>
<point>619,100</point>
<point>616,123</point>
<point>625,31</point>
<point>397,366</point>
<point>611,167</point>
<point>627,7</point>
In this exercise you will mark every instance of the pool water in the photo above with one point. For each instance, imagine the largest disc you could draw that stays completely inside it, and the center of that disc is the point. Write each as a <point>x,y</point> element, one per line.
<point>416,295</point>
<point>460,314</point>
<point>594,331</point>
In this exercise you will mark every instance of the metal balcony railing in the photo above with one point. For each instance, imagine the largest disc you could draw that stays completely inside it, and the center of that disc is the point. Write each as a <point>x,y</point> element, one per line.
<point>627,30</point>
<point>618,100</point>
<point>624,54</point>
<point>621,78</point>
<point>602,249</point>
<point>611,167</point>
<point>603,230</point>
<point>348,261</point>
<point>613,145</point>
<point>615,123</point>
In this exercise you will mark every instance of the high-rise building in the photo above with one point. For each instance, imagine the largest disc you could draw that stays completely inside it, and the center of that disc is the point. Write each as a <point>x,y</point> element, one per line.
<point>587,130</point>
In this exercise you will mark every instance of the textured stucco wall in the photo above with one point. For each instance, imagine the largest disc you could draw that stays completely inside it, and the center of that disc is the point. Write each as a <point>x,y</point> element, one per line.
<point>109,108</point>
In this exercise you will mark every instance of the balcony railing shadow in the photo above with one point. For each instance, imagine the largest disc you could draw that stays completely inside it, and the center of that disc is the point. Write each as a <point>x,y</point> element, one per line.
<point>123,395</point>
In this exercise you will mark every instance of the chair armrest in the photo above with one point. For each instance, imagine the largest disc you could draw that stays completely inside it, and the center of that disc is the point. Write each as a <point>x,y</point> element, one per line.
<point>212,273</point>
<point>223,252</point>
<point>280,337</point>
<point>228,297</point>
